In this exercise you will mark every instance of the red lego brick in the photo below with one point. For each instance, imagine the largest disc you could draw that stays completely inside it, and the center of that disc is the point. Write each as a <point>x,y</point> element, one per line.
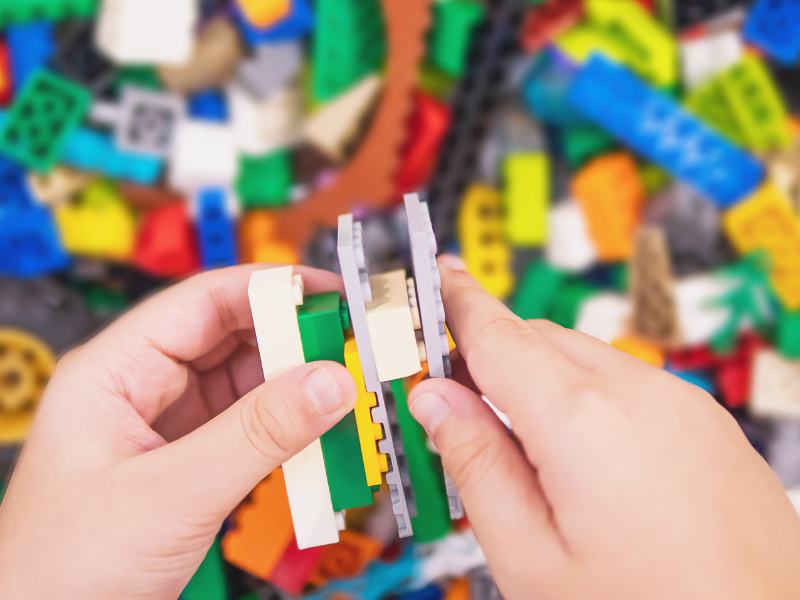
<point>735,371</point>
<point>548,20</point>
<point>6,82</point>
<point>166,245</point>
<point>295,567</point>
<point>691,359</point>
<point>429,124</point>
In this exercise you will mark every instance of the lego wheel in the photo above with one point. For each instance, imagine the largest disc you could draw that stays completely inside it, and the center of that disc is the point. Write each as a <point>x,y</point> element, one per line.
<point>26,364</point>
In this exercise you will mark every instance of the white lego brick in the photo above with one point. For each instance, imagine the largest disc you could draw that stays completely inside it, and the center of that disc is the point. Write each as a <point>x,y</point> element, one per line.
<point>698,316</point>
<point>605,316</point>
<point>335,125</point>
<point>391,327</point>
<point>203,155</point>
<point>274,296</point>
<point>775,386</point>
<point>147,31</point>
<point>704,57</point>
<point>794,496</point>
<point>263,126</point>
<point>570,246</point>
<point>783,452</point>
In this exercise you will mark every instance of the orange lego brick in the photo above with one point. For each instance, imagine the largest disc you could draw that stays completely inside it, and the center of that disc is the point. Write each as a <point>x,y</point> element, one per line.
<point>348,558</point>
<point>459,590</point>
<point>767,222</point>
<point>263,13</point>
<point>611,194</point>
<point>259,243</point>
<point>263,528</point>
<point>641,349</point>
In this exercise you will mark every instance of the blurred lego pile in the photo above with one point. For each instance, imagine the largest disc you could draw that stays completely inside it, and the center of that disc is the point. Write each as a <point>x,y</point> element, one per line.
<point>627,168</point>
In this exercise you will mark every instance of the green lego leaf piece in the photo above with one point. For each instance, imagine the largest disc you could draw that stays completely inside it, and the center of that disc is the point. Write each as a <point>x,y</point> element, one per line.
<point>454,22</point>
<point>425,471</point>
<point>208,582</point>
<point>537,291</point>
<point>265,181</point>
<point>789,334</point>
<point>584,142</point>
<point>568,301</point>
<point>349,44</point>
<point>46,111</point>
<point>708,102</point>
<point>25,11</point>
<point>323,339</point>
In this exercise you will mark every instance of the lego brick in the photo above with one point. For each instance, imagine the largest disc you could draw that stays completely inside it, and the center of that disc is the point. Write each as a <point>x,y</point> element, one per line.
<point>583,142</point>
<point>265,181</point>
<point>295,567</point>
<point>335,126</point>
<point>265,126</point>
<point>203,155</point>
<point>688,14</point>
<point>545,22</point>
<point>784,171</point>
<point>708,102</point>
<point>783,453</point>
<point>526,198</point>
<point>6,75</point>
<point>348,558</point>
<point>769,28</point>
<point>78,59</point>
<point>776,386</point>
<point>399,450</point>
<point>25,11</point>
<point>368,432</point>
<point>36,129</point>
<point>788,343</point>
<point>569,247</point>
<point>346,247</point>
<point>30,245</point>
<point>262,528</point>
<point>274,295</point>
<point>298,21</point>
<point>263,14</point>
<point>349,44</point>
<point>568,301</point>
<point>482,239</point>
<point>428,284</point>
<point>459,589</point>
<point>216,228</point>
<point>699,315</point>
<point>643,350</point>
<point>166,243</point>
<point>429,123</point>
<point>653,125</point>
<point>537,290</point>
<point>31,46</point>
<point>128,33</point>
<point>454,22</point>
<point>654,315</point>
<point>544,89</point>
<point>217,52</point>
<point>14,194</point>
<point>208,105</point>
<point>270,68</point>
<point>704,57</point>
<point>208,582</point>
<point>605,316</point>
<point>482,585</point>
<point>610,193</point>
<point>99,224</point>
<point>391,328</point>
<point>429,592</point>
<point>259,241</point>
<point>767,222</point>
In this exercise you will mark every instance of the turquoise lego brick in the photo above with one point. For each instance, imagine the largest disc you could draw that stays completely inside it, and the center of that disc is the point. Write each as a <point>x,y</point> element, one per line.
<point>208,582</point>
<point>322,335</point>
<point>46,111</point>
<point>25,11</point>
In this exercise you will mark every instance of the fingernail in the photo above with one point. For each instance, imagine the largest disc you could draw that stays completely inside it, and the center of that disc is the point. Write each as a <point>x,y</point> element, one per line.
<point>430,410</point>
<point>452,262</point>
<point>322,391</point>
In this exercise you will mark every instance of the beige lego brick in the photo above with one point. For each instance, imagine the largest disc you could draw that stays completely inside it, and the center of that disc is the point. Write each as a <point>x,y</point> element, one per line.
<point>391,327</point>
<point>775,387</point>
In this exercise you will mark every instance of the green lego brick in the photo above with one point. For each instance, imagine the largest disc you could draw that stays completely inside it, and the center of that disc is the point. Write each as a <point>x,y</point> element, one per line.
<point>141,77</point>
<point>789,334</point>
<point>453,24</point>
<point>584,142</point>
<point>344,315</point>
<point>25,11</point>
<point>434,82</point>
<point>537,290</point>
<point>568,301</point>
<point>654,178</point>
<point>322,335</point>
<point>265,181</point>
<point>349,44</point>
<point>708,102</point>
<point>208,582</point>
<point>425,471</point>
<point>46,111</point>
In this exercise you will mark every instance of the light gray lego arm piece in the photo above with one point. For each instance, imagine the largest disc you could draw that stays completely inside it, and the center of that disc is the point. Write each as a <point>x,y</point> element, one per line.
<point>350,254</point>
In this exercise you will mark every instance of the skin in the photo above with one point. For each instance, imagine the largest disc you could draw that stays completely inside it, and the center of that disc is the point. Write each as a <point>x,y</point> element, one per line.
<point>620,481</point>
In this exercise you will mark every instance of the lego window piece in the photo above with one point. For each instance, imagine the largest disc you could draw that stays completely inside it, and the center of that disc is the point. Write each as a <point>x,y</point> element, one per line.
<point>274,295</point>
<point>776,386</point>
<point>653,125</point>
<point>41,119</point>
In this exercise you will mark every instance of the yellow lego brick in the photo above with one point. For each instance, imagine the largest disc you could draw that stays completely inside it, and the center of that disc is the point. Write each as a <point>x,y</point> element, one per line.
<point>766,221</point>
<point>99,224</point>
<point>264,13</point>
<point>483,245</point>
<point>526,198</point>
<point>368,432</point>
<point>641,349</point>
<point>581,41</point>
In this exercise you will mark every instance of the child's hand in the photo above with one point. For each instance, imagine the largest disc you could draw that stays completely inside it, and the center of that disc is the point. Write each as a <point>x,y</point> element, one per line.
<point>105,503</point>
<point>627,483</point>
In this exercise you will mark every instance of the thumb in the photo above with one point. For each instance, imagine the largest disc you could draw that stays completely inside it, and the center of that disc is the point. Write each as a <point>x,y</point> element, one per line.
<point>488,468</point>
<point>213,468</point>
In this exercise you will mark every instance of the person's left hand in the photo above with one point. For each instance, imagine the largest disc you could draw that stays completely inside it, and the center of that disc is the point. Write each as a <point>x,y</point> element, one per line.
<point>142,447</point>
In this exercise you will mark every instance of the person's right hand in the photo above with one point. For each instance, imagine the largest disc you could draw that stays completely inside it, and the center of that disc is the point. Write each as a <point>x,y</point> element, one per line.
<point>624,483</point>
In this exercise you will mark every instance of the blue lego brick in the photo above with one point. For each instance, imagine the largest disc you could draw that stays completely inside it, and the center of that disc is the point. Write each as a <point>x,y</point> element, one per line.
<point>29,244</point>
<point>216,230</point>
<point>545,89</point>
<point>31,46</point>
<point>208,105</point>
<point>93,151</point>
<point>14,193</point>
<point>429,592</point>
<point>772,26</point>
<point>693,377</point>
<point>296,24</point>
<point>656,127</point>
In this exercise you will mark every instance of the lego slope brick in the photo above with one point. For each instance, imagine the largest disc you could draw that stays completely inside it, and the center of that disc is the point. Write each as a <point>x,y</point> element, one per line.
<point>656,127</point>
<point>274,295</point>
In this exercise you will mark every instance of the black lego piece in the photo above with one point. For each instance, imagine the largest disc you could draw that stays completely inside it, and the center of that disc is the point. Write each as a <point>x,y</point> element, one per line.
<point>688,13</point>
<point>495,45</point>
<point>77,58</point>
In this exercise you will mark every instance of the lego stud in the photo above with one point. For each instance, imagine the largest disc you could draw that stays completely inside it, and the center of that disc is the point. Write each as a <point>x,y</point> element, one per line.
<point>297,289</point>
<point>423,354</point>
<point>437,279</point>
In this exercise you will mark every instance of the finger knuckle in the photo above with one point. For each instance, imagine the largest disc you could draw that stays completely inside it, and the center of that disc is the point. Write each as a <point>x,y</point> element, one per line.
<point>269,434</point>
